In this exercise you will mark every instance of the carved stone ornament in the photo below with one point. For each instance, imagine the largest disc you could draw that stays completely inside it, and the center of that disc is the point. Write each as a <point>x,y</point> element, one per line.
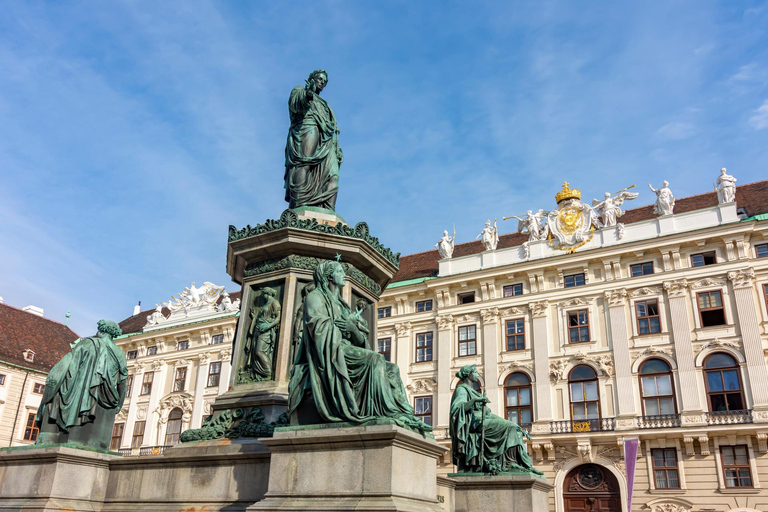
<point>122,415</point>
<point>563,456</point>
<point>717,343</point>
<point>490,315</point>
<point>707,282</point>
<point>204,357</point>
<point>616,297</point>
<point>467,318</point>
<point>652,351</point>
<point>514,311</point>
<point>141,411</point>
<point>668,507</point>
<point>614,455</point>
<point>557,369</point>
<point>206,407</point>
<point>182,401</point>
<point>516,365</point>
<point>573,302</point>
<point>444,322</point>
<point>225,355</point>
<point>403,329</point>
<point>761,415</point>
<point>690,451</point>
<point>676,288</point>
<point>762,442</point>
<point>422,386</point>
<point>645,291</point>
<point>538,308</point>
<point>742,278</point>
<point>157,365</point>
<point>603,363</point>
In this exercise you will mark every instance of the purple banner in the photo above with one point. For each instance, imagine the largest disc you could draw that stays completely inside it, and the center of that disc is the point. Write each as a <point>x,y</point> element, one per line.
<point>630,459</point>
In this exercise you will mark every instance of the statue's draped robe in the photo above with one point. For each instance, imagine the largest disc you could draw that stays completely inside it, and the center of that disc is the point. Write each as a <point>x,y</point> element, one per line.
<point>349,383</point>
<point>503,438</point>
<point>262,345</point>
<point>86,378</point>
<point>312,154</point>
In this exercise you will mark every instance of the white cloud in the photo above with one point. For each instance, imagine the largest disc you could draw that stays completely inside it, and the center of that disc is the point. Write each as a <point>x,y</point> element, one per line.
<point>676,131</point>
<point>759,120</point>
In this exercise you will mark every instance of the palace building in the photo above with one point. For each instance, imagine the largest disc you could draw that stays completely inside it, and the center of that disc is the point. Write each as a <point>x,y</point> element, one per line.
<point>648,325</point>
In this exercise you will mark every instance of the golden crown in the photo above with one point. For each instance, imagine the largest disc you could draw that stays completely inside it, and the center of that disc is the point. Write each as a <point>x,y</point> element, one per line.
<point>567,193</point>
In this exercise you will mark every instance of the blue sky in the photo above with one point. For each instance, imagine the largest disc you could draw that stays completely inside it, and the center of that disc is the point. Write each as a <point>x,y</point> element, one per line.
<point>132,134</point>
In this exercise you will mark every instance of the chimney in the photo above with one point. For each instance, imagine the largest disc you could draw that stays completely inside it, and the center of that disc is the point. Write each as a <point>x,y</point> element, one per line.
<point>34,310</point>
<point>137,309</point>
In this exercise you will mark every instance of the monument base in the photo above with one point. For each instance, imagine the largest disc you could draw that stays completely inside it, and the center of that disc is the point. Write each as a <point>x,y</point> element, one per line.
<point>507,493</point>
<point>374,467</point>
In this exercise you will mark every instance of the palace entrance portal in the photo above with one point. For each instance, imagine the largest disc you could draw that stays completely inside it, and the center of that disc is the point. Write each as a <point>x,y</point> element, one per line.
<point>591,488</point>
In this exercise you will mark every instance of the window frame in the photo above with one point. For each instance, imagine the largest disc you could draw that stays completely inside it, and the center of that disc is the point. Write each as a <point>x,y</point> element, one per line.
<point>182,345</point>
<point>384,312</point>
<point>467,341</point>
<point>131,354</point>
<point>669,373</point>
<point>128,385</point>
<point>152,350</point>
<point>706,371</point>
<point>431,411</point>
<point>145,382</point>
<point>137,438</point>
<point>38,388</point>
<point>578,326</point>
<point>425,346</point>
<point>215,337</point>
<point>461,298</point>
<point>596,380</point>
<point>642,269</point>
<point>119,438</point>
<point>174,436</point>
<point>515,335</point>
<point>31,430</point>
<point>665,468</point>
<point>2,379</point>
<point>424,303</point>
<point>758,248</point>
<point>388,353</point>
<point>517,387</point>
<point>724,467</point>
<point>180,376</point>
<point>648,317</point>
<point>217,374</point>
<point>703,259</point>
<point>721,307</point>
<point>573,278</point>
<point>512,287</point>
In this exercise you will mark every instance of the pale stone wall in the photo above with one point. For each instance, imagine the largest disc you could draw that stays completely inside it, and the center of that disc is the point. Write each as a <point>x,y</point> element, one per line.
<point>13,391</point>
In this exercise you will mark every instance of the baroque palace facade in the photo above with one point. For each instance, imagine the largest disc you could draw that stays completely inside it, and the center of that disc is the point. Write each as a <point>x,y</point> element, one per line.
<point>653,328</point>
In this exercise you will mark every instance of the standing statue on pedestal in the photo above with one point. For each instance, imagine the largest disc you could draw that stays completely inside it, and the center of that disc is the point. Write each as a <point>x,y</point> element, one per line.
<point>481,441</point>
<point>84,391</point>
<point>334,377</point>
<point>262,336</point>
<point>312,153</point>
<point>445,245</point>
<point>665,201</point>
<point>489,236</point>
<point>726,187</point>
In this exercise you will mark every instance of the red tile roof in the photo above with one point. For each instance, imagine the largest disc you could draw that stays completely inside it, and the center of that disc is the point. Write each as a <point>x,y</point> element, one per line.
<point>137,322</point>
<point>20,330</point>
<point>752,196</point>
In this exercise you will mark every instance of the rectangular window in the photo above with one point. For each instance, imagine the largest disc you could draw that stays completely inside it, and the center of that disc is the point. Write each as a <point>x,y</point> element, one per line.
<point>38,388</point>
<point>423,347</point>
<point>131,354</point>
<point>711,309</point>
<point>31,431</point>
<point>658,395</point>
<point>217,339</point>
<point>574,280</point>
<point>214,373</point>
<point>423,305</point>
<point>761,251</point>
<point>578,326</point>
<point>665,468</point>
<point>736,466</point>
<point>128,385</point>
<point>703,258</point>
<point>648,320</point>
<point>2,379</point>
<point>384,347</point>
<point>138,434</point>
<point>423,407</point>
<point>180,379</point>
<point>151,351</point>
<point>641,269</point>
<point>467,340</point>
<point>513,290</point>
<point>146,383</point>
<point>183,345</point>
<point>385,312</point>
<point>117,436</point>
<point>585,401</point>
<point>516,334</point>
<point>466,298</point>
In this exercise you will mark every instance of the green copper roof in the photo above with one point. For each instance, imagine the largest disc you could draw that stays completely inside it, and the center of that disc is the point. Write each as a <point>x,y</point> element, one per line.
<point>409,281</point>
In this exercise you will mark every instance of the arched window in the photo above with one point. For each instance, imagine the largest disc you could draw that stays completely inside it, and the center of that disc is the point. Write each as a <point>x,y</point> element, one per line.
<point>174,427</point>
<point>723,383</point>
<point>517,399</point>
<point>585,399</point>
<point>656,388</point>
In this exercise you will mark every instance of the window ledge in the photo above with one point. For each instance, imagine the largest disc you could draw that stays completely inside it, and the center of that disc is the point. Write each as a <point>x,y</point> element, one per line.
<point>749,490</point>
<point>715,331</point>
<point>671,492</point>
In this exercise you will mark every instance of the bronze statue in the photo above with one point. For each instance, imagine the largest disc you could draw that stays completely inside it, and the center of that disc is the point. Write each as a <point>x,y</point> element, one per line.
<point>262,337</point>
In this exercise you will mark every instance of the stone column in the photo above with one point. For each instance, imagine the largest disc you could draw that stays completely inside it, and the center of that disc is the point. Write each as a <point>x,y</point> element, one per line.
<point>490,357</point>
<point>757,371</point>
<point>153,414</point>
<point>226,368</point>
<point>617,322</point>
<point>540,348</point>
<point>201,381</point>
<point>444,357</point>
<point>133,407</point>
<point>677,292</point>
<point>402,347</point>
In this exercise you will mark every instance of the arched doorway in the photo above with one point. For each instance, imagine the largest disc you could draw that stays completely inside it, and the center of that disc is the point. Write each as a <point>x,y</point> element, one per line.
<point>591,488</point>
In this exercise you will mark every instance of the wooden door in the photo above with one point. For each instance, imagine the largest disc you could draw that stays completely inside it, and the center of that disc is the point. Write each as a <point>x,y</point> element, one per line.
<point>591,488</point>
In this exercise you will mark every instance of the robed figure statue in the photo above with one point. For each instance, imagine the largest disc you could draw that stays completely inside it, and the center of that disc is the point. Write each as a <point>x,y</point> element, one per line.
<point>312,153</point>
<point>481,441</point>
<point>334,377</point>
<point>84,391</point>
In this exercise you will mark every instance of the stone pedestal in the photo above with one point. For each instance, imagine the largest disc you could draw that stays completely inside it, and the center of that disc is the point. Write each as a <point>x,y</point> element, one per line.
<point>333,468</point>
<point>53,478</point>
<point>502,493</point>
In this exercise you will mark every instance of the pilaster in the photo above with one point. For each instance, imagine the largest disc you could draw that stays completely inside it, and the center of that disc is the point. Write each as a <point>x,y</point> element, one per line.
<point>617,324</point>
<point>226,369</point>
<point>132,407</point>
<point>402,348</point>
<point>490,356</point>
<point>444,357</point>
<point>200,382</point>
<point>540,346</point>
<point>160,368</point>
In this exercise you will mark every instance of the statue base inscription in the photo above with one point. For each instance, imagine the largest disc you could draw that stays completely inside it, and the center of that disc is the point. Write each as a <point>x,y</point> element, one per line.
<point>372,467</point>
<point>504,492</point>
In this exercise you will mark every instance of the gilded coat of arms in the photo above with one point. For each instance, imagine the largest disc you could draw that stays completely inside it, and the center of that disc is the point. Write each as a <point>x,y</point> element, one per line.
<point>573,223</point>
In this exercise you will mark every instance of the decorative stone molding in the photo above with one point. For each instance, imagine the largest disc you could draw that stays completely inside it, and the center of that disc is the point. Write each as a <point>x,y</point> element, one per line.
<point>760,416</point>
<point>157,365</point>
<point>573,302</point>
<point>182,401</point>
<point>692,419</point>
<point>668,507</point>
<point>422,386</point>
<point>564,456</point>
<point>225,355</point>
<point>141,411</point>
<point>556,370</point>
<point>652,351</point>
<point>516,365</point>
<point>762,442</point>
<point>467,318</point>
<point>742,278</point>
<point>550,451</point>
<point>204,357</point>
<point>207,407</point>
<point>403,329</point>
<point>616,297</point>
<point>181,362</point>
<point>717,343</point>
<point>584,448</point>
<point>645,291</point>
<point>536,447</point>
<point>615,455</point>
<point>690,451</point>
<point>707,282</point>
<point>122,415</point>
<point>490,315</point>
<point>676,288</point>
<point>539,309</point>
<point>444,322</point>
<point>514,311</point>
<point>603,363</point>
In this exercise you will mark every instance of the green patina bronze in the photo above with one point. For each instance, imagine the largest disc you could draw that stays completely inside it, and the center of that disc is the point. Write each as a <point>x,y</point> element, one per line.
<point>334,378</point>
<point>289,219</point>
<point>312,152</point>
<point>261,339</point>
<point>481,441</point>
<point>84,391</point>
<point>233,424</point>
<point>309,263</point>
